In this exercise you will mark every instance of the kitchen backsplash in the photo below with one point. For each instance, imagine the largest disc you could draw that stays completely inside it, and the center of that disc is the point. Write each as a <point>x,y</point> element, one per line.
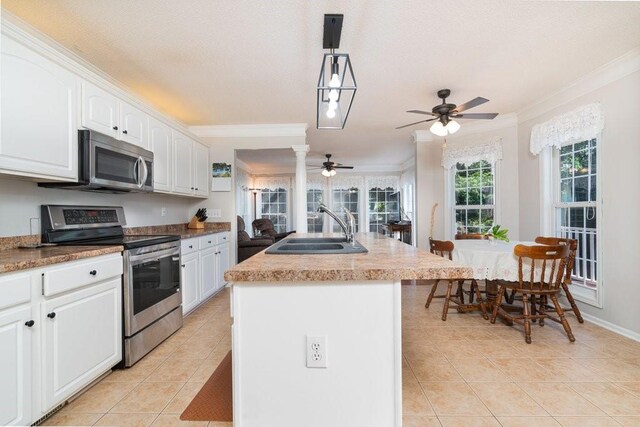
<point>20,202</point>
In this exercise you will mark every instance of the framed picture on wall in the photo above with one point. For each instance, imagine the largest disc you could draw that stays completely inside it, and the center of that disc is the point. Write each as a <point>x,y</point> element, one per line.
<point>220,177</point>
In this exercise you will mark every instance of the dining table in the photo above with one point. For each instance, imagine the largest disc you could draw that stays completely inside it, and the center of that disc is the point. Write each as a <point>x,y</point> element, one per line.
<point>492,261</point>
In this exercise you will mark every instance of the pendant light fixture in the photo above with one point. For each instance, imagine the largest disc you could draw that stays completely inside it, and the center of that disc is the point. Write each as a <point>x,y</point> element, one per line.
<point>337,84</point>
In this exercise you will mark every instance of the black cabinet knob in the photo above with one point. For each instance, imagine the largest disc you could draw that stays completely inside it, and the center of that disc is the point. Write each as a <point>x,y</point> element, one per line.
<point>115,128</point>
<point>192,188</point>
<point>125,132</point>
<point>29,324</point>
<point>183,265</point>
<point>93,272</point>
<point>190,246</point>
<point>209,241</point>
<point>51,315</point>
<point>196,188</point>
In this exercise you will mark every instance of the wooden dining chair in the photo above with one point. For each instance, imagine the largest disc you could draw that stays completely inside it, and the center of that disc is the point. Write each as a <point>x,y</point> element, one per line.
<point>471,236</point>
<point>573,249</point>
<point>548,266</point>
<point>444,249</point>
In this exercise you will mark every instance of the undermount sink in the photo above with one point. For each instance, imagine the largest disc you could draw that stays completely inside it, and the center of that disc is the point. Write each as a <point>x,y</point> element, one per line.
<point>319,245</point>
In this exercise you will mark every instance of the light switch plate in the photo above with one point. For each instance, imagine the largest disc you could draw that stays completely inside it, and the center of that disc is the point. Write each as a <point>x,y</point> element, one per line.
<point>317,356</point>
<point>216,213</point>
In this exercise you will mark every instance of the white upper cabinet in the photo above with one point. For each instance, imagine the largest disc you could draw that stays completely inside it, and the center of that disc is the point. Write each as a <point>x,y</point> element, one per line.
<point>134,125</point>
<point>99,110</point>
<point>201,172</point>
<point>39,134</point>
<point>182,164</point>
<point>160,144</point>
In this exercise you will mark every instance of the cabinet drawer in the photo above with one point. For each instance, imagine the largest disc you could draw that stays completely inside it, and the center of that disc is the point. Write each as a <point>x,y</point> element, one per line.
<point>223,237</point>
<point>208,241</point>
<point>14,289</point>
<point>81,273</point>
<point>188,246</point>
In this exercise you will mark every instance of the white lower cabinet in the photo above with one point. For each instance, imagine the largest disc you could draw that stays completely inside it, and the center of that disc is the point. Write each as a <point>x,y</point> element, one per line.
<point>15,365</point>
<point>190,282</point>
<point>53,346</point>
<point>204,261</point>
<point>82,338</point>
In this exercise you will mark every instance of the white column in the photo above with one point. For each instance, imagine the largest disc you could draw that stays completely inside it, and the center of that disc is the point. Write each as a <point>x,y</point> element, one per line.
<point>301,187</point>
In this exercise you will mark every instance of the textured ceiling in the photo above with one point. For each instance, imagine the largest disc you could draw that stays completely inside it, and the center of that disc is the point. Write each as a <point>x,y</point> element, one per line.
<point>240,62</point>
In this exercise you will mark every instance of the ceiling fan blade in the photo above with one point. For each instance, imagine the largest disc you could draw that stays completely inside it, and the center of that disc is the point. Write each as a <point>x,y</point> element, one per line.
<point>343,167</point>
<point>470,104</point>
<point>411,124</point>
<point>428,113</point>
<point>486,116</point>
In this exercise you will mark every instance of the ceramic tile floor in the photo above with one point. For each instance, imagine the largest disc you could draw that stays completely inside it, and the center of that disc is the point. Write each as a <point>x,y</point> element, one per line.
<point>462,372</point>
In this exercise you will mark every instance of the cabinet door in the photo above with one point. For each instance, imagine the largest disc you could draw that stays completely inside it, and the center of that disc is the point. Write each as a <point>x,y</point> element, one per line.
<point>99,110</point>
<point>223,264</point>
<point>190,282</point>
<point>182,164</point>
<point>82,339</point>
<point>15,366</point>
<point>39,104</point>
<point>160,144</point>
<point>208,259</point>
<point>201,166</point>
<point>133,125</point>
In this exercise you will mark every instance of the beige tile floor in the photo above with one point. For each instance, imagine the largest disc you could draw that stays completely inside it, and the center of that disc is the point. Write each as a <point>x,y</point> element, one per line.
<point>462,372</point>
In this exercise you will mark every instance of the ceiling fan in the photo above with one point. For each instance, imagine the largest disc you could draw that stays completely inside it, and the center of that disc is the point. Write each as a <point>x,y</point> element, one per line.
<point>329,167</point>
<point>445,113</point>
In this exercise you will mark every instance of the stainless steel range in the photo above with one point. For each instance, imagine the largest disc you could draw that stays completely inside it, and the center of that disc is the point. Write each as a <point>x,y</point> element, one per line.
<point>152,298</point>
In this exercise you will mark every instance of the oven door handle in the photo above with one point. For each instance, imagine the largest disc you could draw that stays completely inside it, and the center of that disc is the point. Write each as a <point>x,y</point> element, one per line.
<point>154,256</point>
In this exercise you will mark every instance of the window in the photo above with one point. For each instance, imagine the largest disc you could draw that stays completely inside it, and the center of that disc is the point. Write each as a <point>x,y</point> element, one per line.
<point>274,206</point>
<point>383,207</point>
<point>345,198</point>
<point>474,208</point>
<point>575,206</point>
<point>314,219</point>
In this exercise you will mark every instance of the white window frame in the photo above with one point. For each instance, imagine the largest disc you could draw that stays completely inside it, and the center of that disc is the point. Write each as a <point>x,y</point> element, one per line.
<point>550,201</point>
<point>450,197</point>
<point>287,205</point>
<point>320,215</point>
<point>340,212</point>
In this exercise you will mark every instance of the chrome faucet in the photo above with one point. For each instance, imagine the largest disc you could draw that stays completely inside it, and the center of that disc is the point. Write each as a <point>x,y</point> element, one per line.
<point>348,229</point>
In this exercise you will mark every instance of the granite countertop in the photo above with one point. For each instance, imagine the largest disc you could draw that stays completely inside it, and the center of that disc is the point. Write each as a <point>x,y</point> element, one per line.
<point>387,259</point>
<point>23,259</point>
<point>180,229</point>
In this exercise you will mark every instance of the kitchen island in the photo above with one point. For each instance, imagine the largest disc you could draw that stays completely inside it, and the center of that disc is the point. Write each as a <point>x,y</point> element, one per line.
<point>317,338</point>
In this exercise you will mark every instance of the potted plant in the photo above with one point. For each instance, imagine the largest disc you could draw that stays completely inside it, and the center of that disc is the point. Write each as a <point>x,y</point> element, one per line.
<point>497,233</point>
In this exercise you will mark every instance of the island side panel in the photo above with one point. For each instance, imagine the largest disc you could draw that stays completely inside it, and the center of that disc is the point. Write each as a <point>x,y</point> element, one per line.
<point>362,385</point>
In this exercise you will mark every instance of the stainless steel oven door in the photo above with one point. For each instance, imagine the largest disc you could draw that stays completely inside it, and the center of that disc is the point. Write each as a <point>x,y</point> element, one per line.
<point>120,165</point>
<point>151,284</point>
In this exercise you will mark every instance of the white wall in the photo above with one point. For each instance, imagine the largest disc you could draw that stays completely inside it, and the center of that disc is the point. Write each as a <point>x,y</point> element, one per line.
<point>20,200</point>
<point>430,181</point>
<point>619,154</point>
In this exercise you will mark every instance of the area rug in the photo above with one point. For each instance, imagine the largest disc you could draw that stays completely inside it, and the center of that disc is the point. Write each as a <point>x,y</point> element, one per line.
<point>214,401</point>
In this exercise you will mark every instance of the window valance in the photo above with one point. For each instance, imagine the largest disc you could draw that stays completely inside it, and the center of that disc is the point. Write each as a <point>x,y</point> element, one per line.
<point>343,181</point>
<point>315,181</point>
<point>578,125</point>
<point>490,151</point>
<point>272,182</point>
<point>383,182</point>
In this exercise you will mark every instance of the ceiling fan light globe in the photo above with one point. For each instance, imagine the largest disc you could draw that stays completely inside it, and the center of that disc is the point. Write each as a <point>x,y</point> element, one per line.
<point>333,172</point>
<point>439,129</point>
<point>335,81</point>
<point>326,173</point>
<point>452,127</point>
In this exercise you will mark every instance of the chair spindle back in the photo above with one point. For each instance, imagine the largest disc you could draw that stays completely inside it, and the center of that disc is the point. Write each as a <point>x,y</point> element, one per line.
<point>573,249</point>
<point>442,248</point>
<point>553,257</point>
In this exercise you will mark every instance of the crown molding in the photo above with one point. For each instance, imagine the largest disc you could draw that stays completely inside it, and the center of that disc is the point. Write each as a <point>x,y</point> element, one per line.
<point>242,165</point>
<point>600,77</point>
<point>31,37</point>
<point>244,131</point>
<point>408,164</point>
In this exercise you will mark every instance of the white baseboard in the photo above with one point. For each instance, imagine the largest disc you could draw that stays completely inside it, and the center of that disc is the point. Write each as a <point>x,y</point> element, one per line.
<point>612,327</point>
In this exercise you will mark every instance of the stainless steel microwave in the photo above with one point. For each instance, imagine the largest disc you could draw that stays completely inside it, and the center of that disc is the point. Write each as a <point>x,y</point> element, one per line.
<point>108,165</point>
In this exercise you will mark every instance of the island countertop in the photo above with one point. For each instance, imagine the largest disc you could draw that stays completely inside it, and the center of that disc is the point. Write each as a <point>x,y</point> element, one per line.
<point>387,259</point>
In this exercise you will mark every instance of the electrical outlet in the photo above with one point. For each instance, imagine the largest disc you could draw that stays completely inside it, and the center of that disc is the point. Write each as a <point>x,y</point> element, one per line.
<point>216,213</point>
<point>163,211</point>
<point>317,351</point>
